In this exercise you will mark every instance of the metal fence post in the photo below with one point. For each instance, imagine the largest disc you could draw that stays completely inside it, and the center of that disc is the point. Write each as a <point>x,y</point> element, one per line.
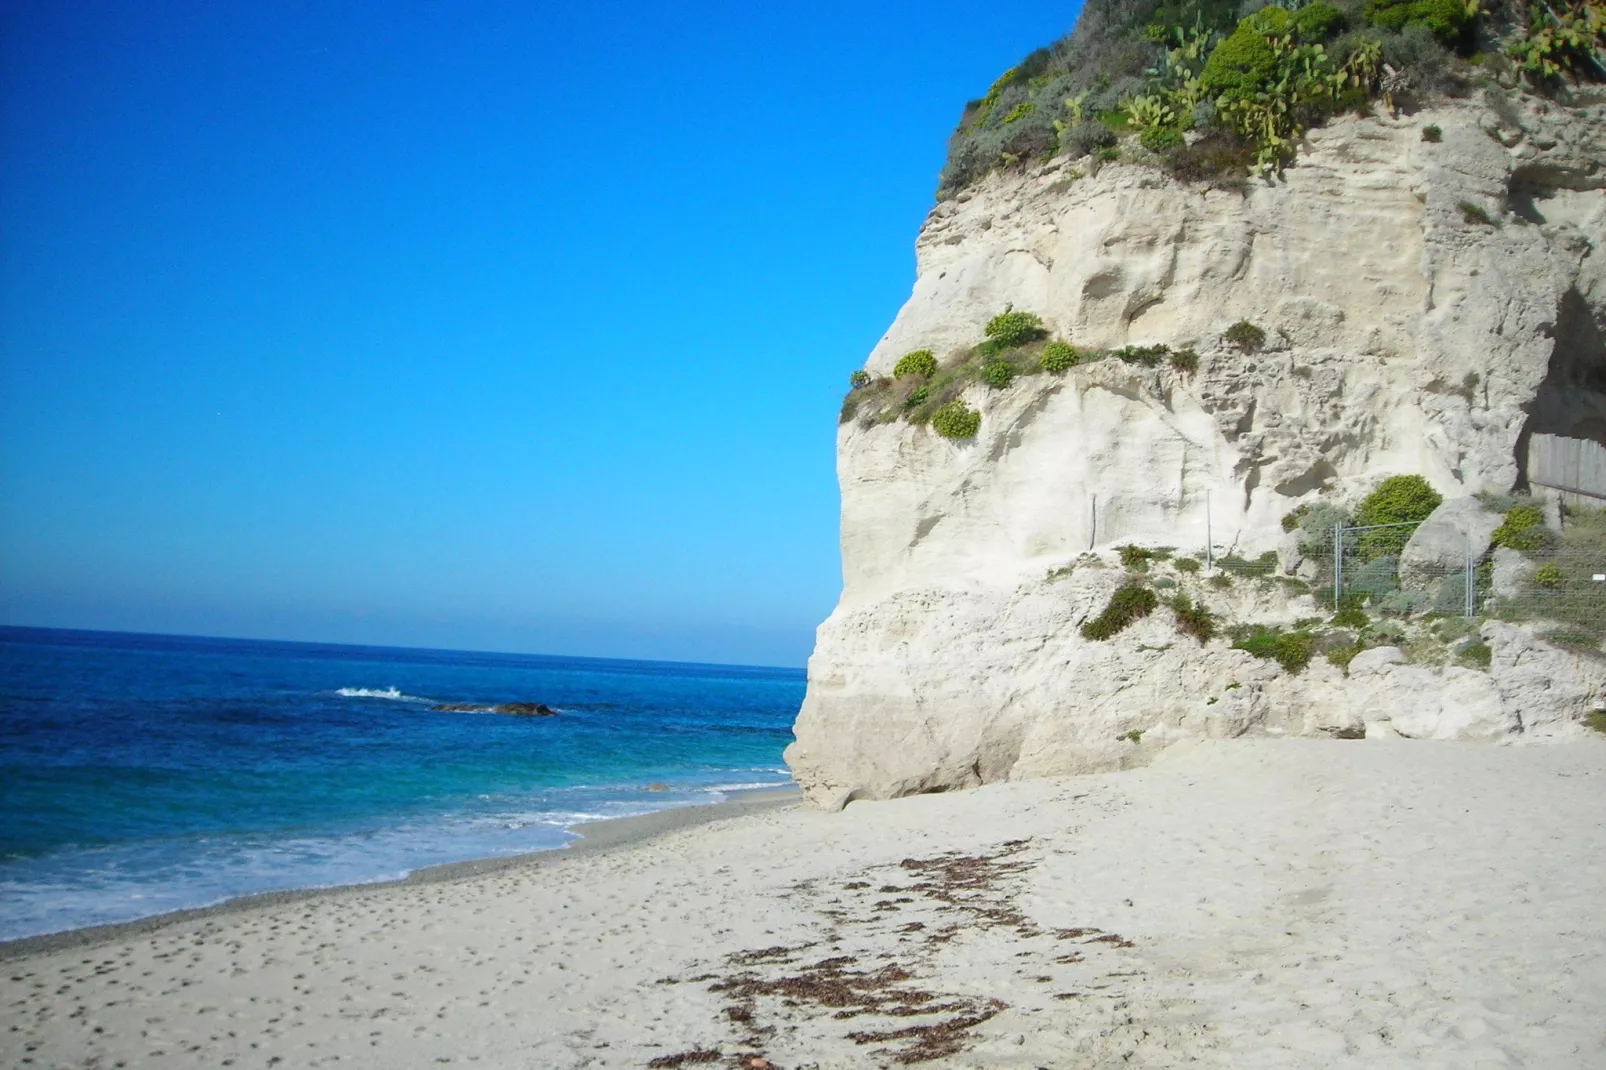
<point>1338,565</point>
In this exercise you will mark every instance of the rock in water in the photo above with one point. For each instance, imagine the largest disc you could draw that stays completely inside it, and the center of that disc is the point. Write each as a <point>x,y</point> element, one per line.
<point>1399,336</point>
<point>516,709</point>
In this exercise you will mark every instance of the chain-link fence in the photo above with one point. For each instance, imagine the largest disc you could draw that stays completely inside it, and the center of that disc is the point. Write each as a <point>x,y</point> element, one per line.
<point>1383,566</point>
<point>1537,572</point>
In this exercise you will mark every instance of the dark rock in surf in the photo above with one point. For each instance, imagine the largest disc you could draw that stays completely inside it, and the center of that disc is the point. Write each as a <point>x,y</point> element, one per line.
<point>525,709</point>
<point>512,709</point>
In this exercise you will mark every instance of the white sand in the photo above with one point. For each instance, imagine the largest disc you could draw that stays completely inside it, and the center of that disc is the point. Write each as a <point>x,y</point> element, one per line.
<point>1249,904</point>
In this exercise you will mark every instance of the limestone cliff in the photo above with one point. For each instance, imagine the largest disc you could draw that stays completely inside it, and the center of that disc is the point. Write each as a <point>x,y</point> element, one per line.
<point>953,660</point>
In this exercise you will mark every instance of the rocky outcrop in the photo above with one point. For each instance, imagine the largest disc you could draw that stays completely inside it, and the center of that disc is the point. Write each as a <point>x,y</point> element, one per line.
<point>1402,336</point>
<point>1458,531</point>
<point>512,709</point>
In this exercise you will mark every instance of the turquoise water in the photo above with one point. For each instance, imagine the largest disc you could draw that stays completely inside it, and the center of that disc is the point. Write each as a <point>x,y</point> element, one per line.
<point>141,774</point>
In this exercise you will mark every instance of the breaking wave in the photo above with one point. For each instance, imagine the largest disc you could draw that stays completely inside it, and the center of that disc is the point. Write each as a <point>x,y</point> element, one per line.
<point>372,692</point>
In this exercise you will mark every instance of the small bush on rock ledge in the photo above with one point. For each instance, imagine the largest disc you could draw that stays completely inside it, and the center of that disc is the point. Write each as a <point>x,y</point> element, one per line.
<point>920,363</point>
<point>1291,650</point>
<point>858,380</point>
<point>1193,620</point>
<point>1130,603</point>
<point>956,421</point>
<point>1245,335</point>
<point>1010,328</point>
<point>998,374</point>
<point>1057,356</point>
<point>1522,529</point>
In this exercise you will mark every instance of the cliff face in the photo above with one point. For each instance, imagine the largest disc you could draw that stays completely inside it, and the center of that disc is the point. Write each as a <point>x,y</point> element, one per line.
<point>951,660</point>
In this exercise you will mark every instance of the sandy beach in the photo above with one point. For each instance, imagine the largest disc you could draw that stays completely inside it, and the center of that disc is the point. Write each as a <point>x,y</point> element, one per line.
<point>1244,904</point>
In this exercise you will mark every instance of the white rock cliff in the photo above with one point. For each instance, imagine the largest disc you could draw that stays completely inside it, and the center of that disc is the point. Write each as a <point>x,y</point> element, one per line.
<point>952,660</point>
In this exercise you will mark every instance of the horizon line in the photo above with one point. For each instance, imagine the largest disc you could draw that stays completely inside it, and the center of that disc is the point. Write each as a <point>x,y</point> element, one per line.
<point>4,628</point>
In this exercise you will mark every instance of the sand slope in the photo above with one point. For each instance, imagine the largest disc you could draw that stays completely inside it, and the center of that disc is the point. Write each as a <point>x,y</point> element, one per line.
<point>1243,904</point>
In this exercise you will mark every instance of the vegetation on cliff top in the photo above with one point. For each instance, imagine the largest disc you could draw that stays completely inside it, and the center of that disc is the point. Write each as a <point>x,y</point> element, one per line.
<point>1212,88</point>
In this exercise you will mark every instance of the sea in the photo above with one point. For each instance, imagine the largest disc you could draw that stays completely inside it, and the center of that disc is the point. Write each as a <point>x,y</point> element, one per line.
<point>141,774</point>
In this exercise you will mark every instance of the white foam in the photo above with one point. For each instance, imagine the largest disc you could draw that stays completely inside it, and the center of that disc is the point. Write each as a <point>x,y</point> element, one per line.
<point>748,787</point>
<point>370,692</point>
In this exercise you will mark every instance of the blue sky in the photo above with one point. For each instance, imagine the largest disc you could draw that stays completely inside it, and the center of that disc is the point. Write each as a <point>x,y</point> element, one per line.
<point>478,325</point>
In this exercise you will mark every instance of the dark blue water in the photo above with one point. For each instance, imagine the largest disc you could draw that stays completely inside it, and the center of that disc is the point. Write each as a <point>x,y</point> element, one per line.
<point>140,774</point>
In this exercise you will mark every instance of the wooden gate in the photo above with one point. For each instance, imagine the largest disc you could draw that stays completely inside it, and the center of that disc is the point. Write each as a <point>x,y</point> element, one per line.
<point>1574,466</point>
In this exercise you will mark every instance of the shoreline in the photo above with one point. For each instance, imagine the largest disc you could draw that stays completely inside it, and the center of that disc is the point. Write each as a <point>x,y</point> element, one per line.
<point>595,837</point>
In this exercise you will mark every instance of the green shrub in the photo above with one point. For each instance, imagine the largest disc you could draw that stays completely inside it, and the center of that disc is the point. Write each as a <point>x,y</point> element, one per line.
<point>850,406</point>
<point>1185,361</point>
<point>998,374</point>
<point>1085,137</point>
<point>1130,603</point>
<point>1522,529</point>
<point>1350,615</point>
<point>1246,61</point>
<point>1445,18</point>
<point>1404,602</point>
<point>1193,620</point>
<point>1245,335</point>
<point>1010,328</point>
<point>1547,576</point>
<point>1019,112</point>
<point>1372,579</point>
<point>1477,654</point>
<point>1222,157</point>
<point>1432,133</point>
<point>1291,650</point>
<point>1397,500</point>
<point>1341,654</point>
<point>1475,213</point>
<point>917,397</point>
<point>1135,558</point>
<point>858,380</point>
<point>1316,524</point>
<point>1057,356</point>
<point>1566,37</point>
<point>920,362</point>
<point>1134,736</point>
<point>1148,356</point>
<point>1596,720</point>
<point>1221,581</point>
<point>1292,518</point>
<point>1186,564</point>
<point>1385,633</point>
<point>1161,138</point>
<point>1317,21</point>
<point>955,421</point>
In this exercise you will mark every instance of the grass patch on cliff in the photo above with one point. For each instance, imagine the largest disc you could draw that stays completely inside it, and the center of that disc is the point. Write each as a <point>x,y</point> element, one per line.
<point>1290,649</point>
<point>1130,603</point>
<point>1194,620</point>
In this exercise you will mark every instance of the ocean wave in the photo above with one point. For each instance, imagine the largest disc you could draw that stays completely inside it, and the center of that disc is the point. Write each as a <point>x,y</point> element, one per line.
<point>748,787</point>
<point>371,692</point>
